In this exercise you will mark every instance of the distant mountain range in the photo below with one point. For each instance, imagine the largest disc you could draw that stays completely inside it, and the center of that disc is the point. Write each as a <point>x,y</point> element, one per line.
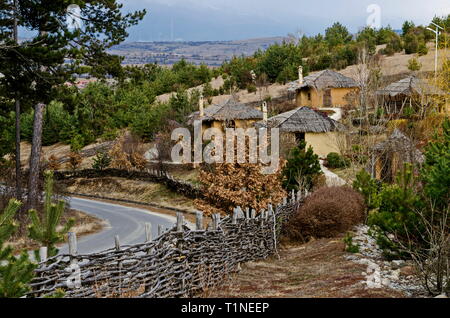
<point>212,53</point>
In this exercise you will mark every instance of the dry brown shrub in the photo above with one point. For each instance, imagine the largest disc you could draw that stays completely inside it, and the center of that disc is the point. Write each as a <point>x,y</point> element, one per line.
<point>326,213</point>
<point>127,153</point>
<point>75,161</point>
<point>53,163</point>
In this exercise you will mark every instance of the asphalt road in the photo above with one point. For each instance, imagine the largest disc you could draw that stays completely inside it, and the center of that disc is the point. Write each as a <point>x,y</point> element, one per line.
<point>126,222</point>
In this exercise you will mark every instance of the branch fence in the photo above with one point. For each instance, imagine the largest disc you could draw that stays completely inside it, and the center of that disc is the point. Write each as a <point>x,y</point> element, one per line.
<point>180,263</point>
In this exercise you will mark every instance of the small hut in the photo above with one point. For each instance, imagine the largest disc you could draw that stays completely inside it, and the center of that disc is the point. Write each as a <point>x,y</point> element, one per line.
<point>389,156</point>
<point>323,89</point>
<point>231,114</point>
<point>316,128</point>
<point>410,92</point>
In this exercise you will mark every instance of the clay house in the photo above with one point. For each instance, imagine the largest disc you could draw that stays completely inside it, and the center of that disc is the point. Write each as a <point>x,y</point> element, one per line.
<point>316,128</point>
<point>389,156</point>
<point>323,89</point>
<point>230,114</point>
<point>411,92</point>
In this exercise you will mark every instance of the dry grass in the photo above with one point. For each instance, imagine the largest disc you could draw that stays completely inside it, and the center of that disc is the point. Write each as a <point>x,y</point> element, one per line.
<point>140,191</point>
<point>84,225</point>
<point>317,269</point>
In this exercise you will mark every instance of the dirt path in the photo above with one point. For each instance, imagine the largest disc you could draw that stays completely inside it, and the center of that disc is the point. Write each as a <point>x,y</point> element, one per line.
<point>318,269</point>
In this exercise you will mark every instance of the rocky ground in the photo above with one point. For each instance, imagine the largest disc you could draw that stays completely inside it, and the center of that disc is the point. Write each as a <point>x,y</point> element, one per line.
<point>380,273</point>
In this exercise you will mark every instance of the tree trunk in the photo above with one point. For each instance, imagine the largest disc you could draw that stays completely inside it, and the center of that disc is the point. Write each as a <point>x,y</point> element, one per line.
<point>18,166</point>
<point>35,158</point>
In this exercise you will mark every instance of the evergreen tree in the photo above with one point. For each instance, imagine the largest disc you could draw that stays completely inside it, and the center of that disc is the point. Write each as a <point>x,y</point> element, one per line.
<point>36,68</point>
<point>15,272</point>
<point>43,229</point>
<point>435,173</point>
<point>301,168</point>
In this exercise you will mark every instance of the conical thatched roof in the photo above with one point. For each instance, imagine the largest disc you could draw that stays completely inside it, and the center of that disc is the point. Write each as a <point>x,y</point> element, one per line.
<point>302,120</point>
<point>398,142</point>
<point>410,86</point>
<point>324,79</point>
<point>230,110</point>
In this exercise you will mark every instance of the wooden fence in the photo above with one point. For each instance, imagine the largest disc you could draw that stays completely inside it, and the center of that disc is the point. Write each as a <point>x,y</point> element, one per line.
<point>180,263</point>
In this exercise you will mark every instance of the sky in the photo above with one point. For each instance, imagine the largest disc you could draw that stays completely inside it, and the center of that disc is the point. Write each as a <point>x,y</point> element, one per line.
<point>205,20</point>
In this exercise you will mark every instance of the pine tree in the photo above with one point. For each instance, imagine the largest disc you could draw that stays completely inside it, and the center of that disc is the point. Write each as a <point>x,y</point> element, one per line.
<point>15,272</point>
<point>301,168</point>
<point>44,229</point>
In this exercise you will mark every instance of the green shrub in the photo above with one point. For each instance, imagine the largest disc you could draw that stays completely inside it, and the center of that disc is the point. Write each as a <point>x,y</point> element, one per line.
<point>349,245</point>
<point>397,213</point>
<point>101,161</point>
<point>45,228</point>
<point>251,88</point>
<point>15,271</point>
<point>369,188</point>
<point>336,161</point>
<point>301,169</point>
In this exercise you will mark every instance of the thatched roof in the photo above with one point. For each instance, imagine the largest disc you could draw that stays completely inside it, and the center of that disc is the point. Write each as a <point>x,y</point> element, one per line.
<point>230,110</point>
<point>302,120</point>
<point>323,80</point>
<point>399,143</point>
<point>410,86</point>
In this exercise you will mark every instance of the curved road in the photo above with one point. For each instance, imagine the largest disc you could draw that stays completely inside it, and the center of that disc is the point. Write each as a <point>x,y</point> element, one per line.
<point>126,222</point>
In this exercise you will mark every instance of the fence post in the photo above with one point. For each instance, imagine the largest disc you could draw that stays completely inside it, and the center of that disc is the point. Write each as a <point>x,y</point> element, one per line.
<point>148,232</point>
<point>43,254</point>
<point>117,242</point>
<point>215,221</point>
<point>160,230</point>
<point>293,196</point>
<point>299,195</point>
<point>179,222</point>
<point>235,216</point>
<point>247,213</point>
<point>240,212</point>
<point>198,220</point>
<point>253,214</point>
<point>73,250</point>
<point>284,201</point>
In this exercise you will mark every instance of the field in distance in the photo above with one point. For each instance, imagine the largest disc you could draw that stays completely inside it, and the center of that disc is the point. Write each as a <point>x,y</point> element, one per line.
<point>211,53</point>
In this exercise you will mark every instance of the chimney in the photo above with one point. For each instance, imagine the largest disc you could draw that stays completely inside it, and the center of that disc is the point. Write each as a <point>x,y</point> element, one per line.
<point>264,110</point>
<point>201,107</point>
<point>300,75</point>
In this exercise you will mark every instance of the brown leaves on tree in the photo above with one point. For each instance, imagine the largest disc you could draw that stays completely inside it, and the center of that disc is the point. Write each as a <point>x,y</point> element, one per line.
<point>75,161</point>
<point>53,163</point>
<point>227,186</point>
<point>128,153</point>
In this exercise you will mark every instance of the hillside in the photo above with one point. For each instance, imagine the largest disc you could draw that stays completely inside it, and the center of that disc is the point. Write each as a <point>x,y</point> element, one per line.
<point>391,66</point>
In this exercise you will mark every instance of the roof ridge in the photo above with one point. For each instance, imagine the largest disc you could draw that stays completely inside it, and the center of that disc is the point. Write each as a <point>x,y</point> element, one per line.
<point>294,111</point>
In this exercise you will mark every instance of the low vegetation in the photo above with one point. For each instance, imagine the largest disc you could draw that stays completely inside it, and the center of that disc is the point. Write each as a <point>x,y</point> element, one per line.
<point>327,213</point>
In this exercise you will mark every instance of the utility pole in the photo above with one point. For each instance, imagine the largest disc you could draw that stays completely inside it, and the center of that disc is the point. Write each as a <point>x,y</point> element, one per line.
<point>436,31</point>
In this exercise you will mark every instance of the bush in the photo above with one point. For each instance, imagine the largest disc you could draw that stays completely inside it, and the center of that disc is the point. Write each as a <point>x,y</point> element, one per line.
<point>334,160</point>
<point>301,168</point>
<point>251,88</point>
<point>397,213</point>
<point>369,188</point>
<point>101,161</point>
<point>326,213</point>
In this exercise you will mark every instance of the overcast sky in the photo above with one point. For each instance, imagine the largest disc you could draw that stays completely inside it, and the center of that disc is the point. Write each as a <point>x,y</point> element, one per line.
<point>240,19</point>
